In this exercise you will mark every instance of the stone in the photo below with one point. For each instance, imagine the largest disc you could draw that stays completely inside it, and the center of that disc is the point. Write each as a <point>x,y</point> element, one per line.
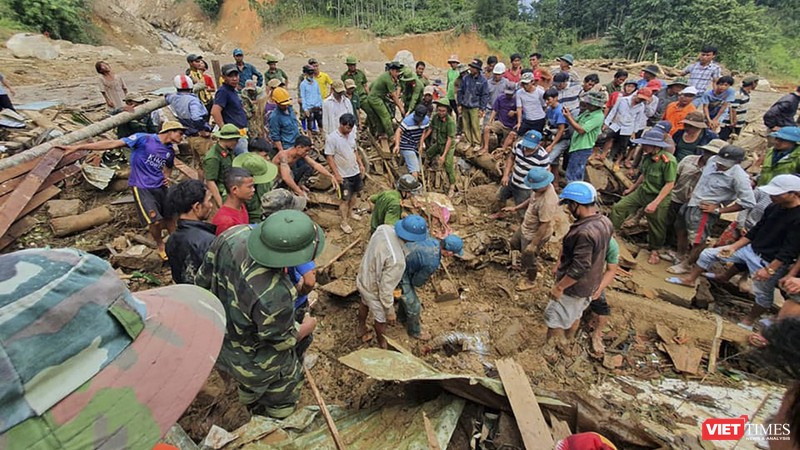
<point>764,85</point>
<point>28,45</point>
<point>63,208</point>
<point>138,257</point>
<point>405,57</point>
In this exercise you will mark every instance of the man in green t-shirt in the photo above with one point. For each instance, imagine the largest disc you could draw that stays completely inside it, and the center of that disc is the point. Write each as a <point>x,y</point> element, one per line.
<point>651,191</point>
<point>599,306</point>
<point>357,75</point>
<point>383,88</point>
<point>443,129</point>
<point>275,73</point>
<point>586,129</point>
<point>388,207</point>
<point>219,160</point>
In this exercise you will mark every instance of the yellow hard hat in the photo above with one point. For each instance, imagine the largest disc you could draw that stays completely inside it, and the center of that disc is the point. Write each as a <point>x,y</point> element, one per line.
<point>281,96</point>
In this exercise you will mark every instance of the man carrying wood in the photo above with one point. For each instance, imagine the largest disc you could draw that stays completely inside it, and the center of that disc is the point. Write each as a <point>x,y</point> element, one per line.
<point>152,159</point>
<point>580,267</point>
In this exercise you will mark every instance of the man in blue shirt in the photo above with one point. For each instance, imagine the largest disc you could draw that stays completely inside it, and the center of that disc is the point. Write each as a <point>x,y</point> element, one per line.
<point>246,70</point>
<point>187,107</point>
<point>228,106</point>
<point>716,101</point>
<point>283,129</point>
<point>473,96</point>
<point>310,101</point>
<point>152,159</point>
<point>503,117</point>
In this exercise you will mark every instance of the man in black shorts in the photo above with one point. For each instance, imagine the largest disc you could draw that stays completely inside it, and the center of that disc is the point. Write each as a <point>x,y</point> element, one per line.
<point>346,166</point>
<point>152,159</point>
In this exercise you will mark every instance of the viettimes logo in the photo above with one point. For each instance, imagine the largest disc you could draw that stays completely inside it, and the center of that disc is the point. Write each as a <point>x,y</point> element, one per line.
<point>737,428</point>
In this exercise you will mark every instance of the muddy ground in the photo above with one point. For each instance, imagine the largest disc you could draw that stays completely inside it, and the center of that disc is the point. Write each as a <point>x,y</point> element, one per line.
<point>508,322</point>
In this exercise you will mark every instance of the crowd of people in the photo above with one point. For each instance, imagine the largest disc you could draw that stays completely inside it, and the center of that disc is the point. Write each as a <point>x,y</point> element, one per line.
<point>240,232</point>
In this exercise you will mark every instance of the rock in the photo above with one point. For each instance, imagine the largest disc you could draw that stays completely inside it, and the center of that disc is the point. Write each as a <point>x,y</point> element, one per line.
<point>612,362</point>
<point>405,57</point>
<point>28,45</point>
<point>764,85</point>
<point>120,243</point>
<point>138,257</point>
<point>63,208</point>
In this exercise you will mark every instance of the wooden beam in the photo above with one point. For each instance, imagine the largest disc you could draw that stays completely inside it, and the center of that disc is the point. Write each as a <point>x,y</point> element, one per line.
<point>19,229</point>
<point>39,199</point>
<point>186,170</point>
<point>68,159</point>
<point>54,178</point>
<point>27,188</point>
<point>530,420</point>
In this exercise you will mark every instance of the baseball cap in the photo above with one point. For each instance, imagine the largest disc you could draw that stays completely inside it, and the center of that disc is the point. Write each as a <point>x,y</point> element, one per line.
<point>689,90</point>
<point>280,199</point>
<point>499,69</point>
<point>394,65</point>
<point>782,184</point>
<point>228,69</point>
<point>730,155</point>
<point>191,57</point>
<point>429,90</point>
<point>644,93</point>
<point>510,89</point>
<point>349,83</point>
<point>420,112</point>
<point>654,85</point>
<point>338,86</point>
<point>453,243</point>
<point>312,61</point>
<point>238,52</point>
<point>532,139</point>
<point>94,365</point>
<point>526,78</point>
<point>275,82</point>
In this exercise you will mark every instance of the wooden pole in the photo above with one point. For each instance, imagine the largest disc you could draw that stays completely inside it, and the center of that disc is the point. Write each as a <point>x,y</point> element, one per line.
<point>328,419</point>
<point>339,255</point>
<point>217,71</point>
<point>83,134</point>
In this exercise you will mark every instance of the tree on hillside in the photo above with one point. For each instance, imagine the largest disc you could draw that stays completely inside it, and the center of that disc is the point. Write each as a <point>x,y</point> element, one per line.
<point>495,16</point>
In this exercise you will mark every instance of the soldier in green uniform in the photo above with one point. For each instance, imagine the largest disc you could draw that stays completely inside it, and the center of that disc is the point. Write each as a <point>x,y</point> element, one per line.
<point>246,269</point>
<point>273,72</point>
<point>384,87</point>
<point>444,138</point>
<point>651,191</point>
<point>412,88</point>
<point>357,75</point>
<point>388,207</point>
<point>219,160</point>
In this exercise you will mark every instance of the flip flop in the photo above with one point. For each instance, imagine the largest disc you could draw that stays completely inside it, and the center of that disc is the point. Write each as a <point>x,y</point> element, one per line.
<point>678,269</point>
<point>678,281</point>
<point>709,275</point>
<point>745,326</point>
<point>163,255</point>
<point>757,340</point>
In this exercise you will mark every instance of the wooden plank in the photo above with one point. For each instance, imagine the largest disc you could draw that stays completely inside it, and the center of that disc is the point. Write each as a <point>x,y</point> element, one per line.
<point>530,420</point>
<point>39,199</point>
<point>19,229</point>
<point>25,191</point>
<point>12,184</point>
<point>560,429</point>
<point>186,170</point>
<point>54,178</point>
<point>433,443</point>
<point>712,355</point>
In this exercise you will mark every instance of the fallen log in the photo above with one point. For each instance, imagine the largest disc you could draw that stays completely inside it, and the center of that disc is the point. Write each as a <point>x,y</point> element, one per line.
<point>82,134</point>
<point>65,226</point>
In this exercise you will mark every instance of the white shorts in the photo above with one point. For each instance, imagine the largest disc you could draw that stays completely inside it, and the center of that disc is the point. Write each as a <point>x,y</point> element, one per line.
<point>374,305</point>
<point>562,314</point>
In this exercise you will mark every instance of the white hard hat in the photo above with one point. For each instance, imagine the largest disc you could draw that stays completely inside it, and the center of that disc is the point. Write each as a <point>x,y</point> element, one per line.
<point>182,82</point>
<point>499,69</point>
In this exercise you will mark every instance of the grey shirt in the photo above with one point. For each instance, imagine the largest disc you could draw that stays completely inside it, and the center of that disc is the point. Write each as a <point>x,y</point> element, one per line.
<point>723,187</point>
<point>496,88</point>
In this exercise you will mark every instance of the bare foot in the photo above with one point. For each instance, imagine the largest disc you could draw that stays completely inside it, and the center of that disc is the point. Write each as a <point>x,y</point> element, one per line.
<point>364,333</point>
<point>422,336</point>
<point>654,258</point>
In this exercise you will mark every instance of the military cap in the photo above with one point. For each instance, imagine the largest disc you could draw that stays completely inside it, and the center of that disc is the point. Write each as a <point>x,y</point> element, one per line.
<point>286,238</point>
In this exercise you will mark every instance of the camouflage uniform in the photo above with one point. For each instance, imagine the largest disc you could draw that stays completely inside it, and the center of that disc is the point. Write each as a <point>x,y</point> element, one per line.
<point>259,349</point>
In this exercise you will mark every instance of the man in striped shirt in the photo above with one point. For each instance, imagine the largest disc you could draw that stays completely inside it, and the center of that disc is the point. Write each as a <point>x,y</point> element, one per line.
<point>568,93</point>
<point>735,118</point>
<point>525,155</point>
<point>704,72</point>
<point>408,138</point>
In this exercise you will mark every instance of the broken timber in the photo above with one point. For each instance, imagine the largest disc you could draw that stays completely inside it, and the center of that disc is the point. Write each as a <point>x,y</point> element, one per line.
<point>27,188</point>
<point>528,414</point>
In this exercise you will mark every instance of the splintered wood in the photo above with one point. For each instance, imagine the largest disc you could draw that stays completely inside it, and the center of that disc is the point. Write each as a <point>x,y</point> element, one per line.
<point>530,420</point>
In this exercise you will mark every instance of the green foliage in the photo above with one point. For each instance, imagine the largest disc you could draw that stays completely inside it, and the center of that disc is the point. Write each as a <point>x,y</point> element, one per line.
<point>210,7</point>
<point>63,19</point>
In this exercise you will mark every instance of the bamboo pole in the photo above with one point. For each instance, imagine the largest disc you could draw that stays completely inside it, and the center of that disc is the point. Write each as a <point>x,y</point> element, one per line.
<point>83,134</point>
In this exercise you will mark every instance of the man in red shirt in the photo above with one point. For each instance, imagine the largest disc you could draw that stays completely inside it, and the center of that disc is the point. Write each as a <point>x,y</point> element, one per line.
<point>240,186</point>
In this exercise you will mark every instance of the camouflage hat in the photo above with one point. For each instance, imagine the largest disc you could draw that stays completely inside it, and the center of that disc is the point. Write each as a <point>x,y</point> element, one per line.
<point>280,199</point>
<point>286,238</point>
<point>595,98</point>
<point>89,365</point>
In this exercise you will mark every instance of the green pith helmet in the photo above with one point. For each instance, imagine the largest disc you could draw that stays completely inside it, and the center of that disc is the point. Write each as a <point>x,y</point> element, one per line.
<point>228,131</point>
<point>351,60</point>
<point>287,238</point>
<point>407,75</point>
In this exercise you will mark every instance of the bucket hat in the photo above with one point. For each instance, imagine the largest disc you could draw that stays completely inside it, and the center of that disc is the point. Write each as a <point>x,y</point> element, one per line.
<point>595,98</point>
<point>286,238</point>
<point>652,68</point>
<point>280,199</point>
<point>228,131</point>
<point>537,178</point>
<point>652,137</point>
<point>695,119</point>
<point>567,58</point>
<point>453,59</point>
<point>714,146</point>
<point>271,59</point>
<point>94,365</point>
<point>262,170</point>
<point>412,228</point>
<point>791,134</point>
<point>680,81</point>
<point>171,125</point>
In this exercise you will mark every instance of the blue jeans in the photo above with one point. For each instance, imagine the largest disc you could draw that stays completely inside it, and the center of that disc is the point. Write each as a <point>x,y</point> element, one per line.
<point>764,291</point>
<point>412,160</point>
<point>577,164</point>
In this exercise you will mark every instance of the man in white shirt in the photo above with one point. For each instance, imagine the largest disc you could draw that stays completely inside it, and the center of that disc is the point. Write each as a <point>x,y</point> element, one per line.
<point>346,166</point>
<point>336,105</point>
<point>623,120</point>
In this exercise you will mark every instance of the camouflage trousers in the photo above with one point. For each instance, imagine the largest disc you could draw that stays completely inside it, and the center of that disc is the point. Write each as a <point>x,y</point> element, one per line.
<point>270,383</point>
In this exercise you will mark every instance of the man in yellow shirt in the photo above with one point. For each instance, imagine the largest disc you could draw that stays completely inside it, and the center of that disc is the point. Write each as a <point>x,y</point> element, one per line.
<point>322,78</point>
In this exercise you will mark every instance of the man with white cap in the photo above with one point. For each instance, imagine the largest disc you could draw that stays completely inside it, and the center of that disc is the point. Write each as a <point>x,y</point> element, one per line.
<point>723,187</point>
<point>497,85</point>
<point>768,249</point>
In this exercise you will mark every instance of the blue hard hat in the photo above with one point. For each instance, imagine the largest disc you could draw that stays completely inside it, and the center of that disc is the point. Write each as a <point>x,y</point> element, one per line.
<point>537,178</point>
<point>412,228</point>
<point>579,192</point>
<point>455,244</point>
<point>532,139</point>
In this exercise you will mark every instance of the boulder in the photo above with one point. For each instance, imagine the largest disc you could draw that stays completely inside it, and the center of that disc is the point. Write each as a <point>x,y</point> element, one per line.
<point>764,85</point>
<point>28,45</point>
<point>405,57</point>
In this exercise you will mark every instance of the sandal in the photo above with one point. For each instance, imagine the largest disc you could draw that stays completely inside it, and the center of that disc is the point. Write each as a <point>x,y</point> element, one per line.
<point>678,281</point>
<point>163,255</point>
<point>757,340</point>
<point>346,228</point>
